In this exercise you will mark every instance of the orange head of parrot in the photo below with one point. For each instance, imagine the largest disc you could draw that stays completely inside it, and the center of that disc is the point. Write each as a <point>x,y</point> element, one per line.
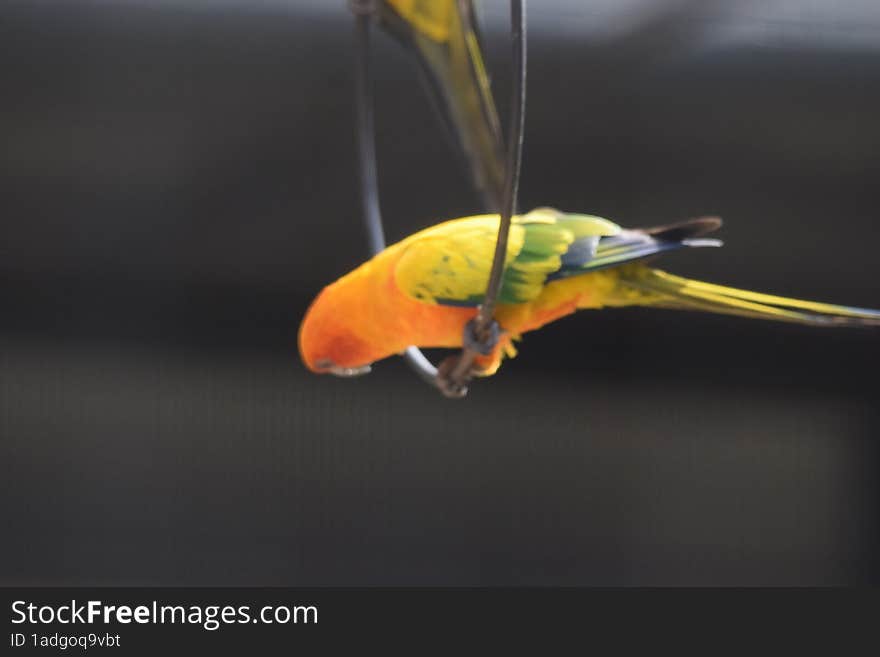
<point>328,340</point>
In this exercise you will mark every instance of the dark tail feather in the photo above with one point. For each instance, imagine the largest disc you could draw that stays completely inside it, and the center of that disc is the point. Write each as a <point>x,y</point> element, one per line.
<point>683,230</point>
<point>640,244</point>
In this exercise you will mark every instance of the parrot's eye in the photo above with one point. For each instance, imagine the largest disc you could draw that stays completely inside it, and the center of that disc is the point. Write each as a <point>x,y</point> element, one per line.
<point>327,365</point>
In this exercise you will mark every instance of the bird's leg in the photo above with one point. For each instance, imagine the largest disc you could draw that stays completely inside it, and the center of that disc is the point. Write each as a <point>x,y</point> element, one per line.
<point>450,380</point>
<point>484,342</point>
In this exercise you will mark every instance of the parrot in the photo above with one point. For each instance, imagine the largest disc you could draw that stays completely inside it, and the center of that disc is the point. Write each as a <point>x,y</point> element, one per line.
<point>424,289</point>
<point>444,40</point>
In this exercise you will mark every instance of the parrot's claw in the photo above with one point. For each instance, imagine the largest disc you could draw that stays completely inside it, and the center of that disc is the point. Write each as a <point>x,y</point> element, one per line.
<point>448,386</point>
<point>484,345</point>
<point>455,384</point>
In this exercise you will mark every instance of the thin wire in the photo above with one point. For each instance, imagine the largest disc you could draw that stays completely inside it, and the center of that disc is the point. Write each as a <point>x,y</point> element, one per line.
<point>366,138</point>
<point>363,83</point>
<point>421,365</point>
<point>514,159</point>
<point>461,372</point>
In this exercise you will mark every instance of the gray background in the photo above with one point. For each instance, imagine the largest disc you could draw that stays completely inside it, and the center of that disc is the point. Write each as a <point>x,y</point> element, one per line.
<point>177,181</point>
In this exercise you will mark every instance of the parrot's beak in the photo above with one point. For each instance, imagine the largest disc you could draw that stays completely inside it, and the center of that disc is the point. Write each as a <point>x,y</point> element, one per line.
<point>328,366</point>
<point>349,371</point>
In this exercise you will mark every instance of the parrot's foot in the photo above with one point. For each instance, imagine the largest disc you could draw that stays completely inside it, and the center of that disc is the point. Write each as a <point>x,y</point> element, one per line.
<point>453,382</point>
<point>451,386</point>
<point>485,344</point>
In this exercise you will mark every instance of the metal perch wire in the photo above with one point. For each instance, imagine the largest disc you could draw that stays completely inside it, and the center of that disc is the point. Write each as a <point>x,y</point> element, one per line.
<point>367,158</point>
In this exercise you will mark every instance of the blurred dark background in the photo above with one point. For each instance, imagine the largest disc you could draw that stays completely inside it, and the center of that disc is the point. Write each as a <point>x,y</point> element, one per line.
<point>177,181</point>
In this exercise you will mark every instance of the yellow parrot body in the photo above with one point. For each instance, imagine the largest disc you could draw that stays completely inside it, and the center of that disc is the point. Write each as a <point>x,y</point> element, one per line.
<point>424,289</point>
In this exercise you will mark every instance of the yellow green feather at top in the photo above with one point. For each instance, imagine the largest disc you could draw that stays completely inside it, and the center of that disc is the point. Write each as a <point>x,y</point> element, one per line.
<point>450,263</point>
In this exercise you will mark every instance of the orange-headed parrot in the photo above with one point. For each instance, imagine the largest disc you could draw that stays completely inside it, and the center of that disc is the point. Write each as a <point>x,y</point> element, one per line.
<point>423,290</point>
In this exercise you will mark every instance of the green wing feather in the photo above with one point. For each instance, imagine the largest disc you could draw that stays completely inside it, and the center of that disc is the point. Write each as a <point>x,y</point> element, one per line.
<point>450,263</point>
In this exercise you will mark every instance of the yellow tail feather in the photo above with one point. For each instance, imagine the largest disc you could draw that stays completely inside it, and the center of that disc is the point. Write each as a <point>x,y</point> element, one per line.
<point>640,285</point>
